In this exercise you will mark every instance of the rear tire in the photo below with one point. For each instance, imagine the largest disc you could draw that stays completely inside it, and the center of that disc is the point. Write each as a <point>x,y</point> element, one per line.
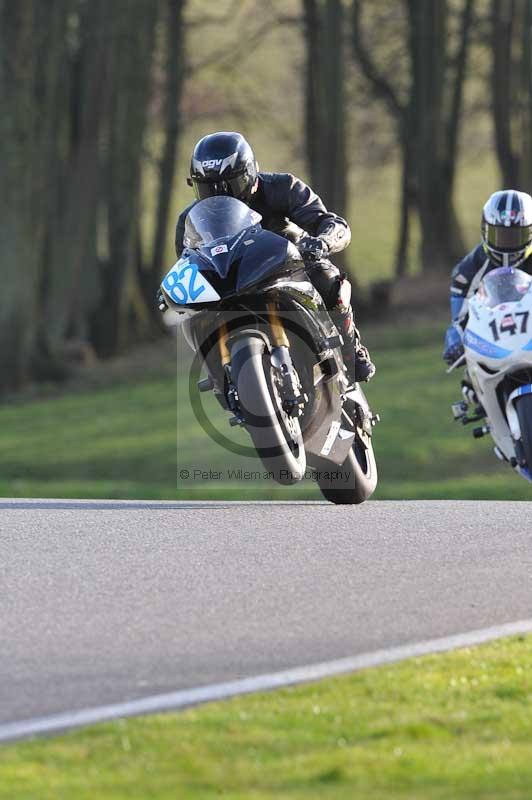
<point>276,436</point>
<point>523,407</point>
<point>356,479</point>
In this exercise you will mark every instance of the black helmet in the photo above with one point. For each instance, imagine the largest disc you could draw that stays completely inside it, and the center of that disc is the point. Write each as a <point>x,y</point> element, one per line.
<point>223,163</point>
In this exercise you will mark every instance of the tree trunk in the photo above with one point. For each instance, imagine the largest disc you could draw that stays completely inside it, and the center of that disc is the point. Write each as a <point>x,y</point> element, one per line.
<point>133,32</point>
<point>502,77</point>
<point>149,275</point>
<point>525,178</point>
<point>427,124</point>
<point>313,107</point>
<point>401,253</point>
<point>511,78</point>
<point>32,47</point>
<point>441,240</point>
<point>75,81</point>
<point>401,114</point>
<point>73,280</point>
<point>325,103</point>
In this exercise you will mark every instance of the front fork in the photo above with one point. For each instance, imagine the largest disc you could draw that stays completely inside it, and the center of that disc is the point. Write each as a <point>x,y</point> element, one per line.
<point>277,332</point>
<point>289,385</point>
<point>225,358</point>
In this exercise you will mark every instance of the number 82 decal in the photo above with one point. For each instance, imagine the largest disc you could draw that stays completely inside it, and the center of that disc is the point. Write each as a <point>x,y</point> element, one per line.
<point>184,285</point>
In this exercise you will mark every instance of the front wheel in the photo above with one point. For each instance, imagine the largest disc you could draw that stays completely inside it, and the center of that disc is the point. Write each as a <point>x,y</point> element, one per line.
<point>523,406</point>
<point>276,435</point>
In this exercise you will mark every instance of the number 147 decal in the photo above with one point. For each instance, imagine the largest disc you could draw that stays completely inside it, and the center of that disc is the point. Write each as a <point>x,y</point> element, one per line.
<point>508,324</point>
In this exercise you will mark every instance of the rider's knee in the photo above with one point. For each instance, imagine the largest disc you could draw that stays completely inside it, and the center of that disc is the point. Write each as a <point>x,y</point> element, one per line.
<point>330,282</point>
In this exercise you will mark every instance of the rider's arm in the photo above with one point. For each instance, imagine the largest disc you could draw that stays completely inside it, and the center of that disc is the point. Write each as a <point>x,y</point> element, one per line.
<point>303,207</point>
<point>462,277</point>
<point>462,281</point>
<point>458,293</point>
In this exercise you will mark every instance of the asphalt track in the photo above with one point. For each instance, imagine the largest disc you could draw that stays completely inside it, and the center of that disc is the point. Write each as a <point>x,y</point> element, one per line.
<point>104,603</point>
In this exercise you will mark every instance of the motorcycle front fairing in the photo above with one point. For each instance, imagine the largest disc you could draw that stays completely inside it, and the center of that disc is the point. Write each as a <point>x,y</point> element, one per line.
<point>498,345</point>
<point>236,265</point>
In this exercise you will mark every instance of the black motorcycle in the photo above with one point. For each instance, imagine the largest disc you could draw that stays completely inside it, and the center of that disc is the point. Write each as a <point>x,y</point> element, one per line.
<point>270,349</point>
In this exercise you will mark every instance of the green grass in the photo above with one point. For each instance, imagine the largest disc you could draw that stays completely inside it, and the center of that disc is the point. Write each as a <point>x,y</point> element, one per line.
<point>446,727</point>
<point>119,440</point>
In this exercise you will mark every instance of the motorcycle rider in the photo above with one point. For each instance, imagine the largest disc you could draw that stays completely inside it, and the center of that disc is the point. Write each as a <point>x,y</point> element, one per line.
<point>506,229</point>
<point>223,163</point>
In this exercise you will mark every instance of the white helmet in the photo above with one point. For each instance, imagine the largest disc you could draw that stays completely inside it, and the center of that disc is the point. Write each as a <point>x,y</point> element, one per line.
<point>507,227</point>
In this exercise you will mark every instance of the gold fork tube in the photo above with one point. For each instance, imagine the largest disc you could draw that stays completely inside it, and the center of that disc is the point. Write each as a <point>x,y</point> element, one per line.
<point>279,336</point>
<point>225,355</point>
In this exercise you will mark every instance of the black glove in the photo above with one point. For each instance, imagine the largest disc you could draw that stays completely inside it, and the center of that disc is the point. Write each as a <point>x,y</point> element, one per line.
<point>312,248</point>
<point>162,305</point>
<point>454,344</point>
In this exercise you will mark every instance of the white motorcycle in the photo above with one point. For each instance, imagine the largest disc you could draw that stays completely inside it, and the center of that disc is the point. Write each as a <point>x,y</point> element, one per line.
<point>498,359</point>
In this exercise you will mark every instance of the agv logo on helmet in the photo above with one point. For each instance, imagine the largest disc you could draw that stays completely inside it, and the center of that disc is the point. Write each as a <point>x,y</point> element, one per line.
<point>219,164</point>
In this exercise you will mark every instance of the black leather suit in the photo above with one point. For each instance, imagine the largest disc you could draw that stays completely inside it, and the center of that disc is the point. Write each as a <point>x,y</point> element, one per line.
<point>290,208</point>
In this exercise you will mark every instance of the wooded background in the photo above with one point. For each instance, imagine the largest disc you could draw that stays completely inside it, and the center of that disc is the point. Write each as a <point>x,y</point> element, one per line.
<point>396,113</point>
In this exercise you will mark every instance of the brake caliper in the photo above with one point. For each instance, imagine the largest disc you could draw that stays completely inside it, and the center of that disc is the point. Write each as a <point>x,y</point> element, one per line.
<point>292,399</point>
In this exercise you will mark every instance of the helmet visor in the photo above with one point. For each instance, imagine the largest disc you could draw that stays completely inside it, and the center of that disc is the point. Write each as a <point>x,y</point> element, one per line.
<point>233,187</point>
<point>508,239</point>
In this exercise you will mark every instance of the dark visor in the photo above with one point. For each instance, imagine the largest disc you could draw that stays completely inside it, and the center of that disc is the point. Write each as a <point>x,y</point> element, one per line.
<point>507,239</point>
<point>231,186</point>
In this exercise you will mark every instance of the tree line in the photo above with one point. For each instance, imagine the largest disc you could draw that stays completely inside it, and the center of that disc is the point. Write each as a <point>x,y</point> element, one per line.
<point>84,82</point>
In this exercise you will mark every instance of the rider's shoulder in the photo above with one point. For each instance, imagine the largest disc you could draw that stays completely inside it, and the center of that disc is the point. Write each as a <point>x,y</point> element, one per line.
<point>478,253</point>
<point>275,177</point>
<point>474,258</point>
<point>283,180</point>
<point>267,177</point>
<point>281,190</point>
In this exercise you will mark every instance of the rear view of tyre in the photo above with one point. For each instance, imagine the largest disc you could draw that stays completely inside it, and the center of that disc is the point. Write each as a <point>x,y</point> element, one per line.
<point>276,435</point>
<point>523,406</point>
<point>356,479</point>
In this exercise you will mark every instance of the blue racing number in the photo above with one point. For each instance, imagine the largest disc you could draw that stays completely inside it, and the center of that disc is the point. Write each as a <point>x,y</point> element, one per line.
<point>181,284</point>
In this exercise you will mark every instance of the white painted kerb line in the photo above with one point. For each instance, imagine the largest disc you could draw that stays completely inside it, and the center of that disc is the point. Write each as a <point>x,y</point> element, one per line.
<point>258,683</point>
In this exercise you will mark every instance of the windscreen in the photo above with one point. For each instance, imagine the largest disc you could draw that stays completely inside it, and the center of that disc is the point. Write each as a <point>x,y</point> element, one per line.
<point>217,218</point>
<point>505,285</point>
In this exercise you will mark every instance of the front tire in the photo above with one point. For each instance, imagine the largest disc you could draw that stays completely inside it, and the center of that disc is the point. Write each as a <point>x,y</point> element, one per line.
<point>277,436</point>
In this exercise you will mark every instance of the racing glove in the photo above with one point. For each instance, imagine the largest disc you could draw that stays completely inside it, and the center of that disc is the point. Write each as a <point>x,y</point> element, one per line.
<point>312,248</point>
<point>453,346</point>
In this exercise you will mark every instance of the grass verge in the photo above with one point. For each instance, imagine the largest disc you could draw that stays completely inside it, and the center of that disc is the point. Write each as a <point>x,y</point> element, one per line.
<point>446,727</point>
<point>115,437</point>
